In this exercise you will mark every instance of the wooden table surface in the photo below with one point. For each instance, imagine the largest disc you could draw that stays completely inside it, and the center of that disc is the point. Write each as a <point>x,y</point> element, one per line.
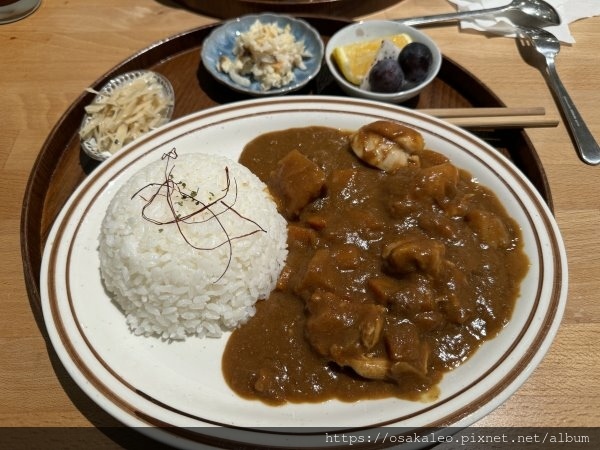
<point>48,59</point>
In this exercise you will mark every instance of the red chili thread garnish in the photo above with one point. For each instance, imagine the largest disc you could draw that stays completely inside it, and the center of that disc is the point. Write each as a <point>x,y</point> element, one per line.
<point>175,193</point>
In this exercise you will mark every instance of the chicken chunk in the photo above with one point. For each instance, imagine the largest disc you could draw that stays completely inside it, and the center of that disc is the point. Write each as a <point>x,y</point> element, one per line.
<point>407,356</point>
<point>370,367</point>
<point>388,145</point>
<point>342,330</point>
<point>490,229</point>
<point>438,182</point>
<point>414,254</point>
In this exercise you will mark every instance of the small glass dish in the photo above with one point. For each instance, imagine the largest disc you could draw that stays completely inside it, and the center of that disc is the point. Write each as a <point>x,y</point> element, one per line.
<point>90,144</point>
<point>221,42</point>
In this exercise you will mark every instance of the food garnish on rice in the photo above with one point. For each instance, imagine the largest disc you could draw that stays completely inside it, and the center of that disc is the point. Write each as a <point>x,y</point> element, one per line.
<point>189,244</point>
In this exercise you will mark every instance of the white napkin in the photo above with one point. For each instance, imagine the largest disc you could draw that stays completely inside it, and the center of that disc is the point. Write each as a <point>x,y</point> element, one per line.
<point>569,11</point>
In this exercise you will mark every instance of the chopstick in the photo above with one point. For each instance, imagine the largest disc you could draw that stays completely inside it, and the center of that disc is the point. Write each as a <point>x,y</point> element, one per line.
<point>497,117</point>
<point>504,122</point>
<point>486,112</point>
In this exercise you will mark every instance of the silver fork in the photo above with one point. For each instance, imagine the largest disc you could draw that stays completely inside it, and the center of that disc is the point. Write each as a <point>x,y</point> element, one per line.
<point>548,46</point>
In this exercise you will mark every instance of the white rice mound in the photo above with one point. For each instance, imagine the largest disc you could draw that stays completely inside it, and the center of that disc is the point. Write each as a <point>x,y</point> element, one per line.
<point>164,285</point>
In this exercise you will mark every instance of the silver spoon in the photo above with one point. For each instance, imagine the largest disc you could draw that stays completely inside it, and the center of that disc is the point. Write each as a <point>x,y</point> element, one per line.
<point>534,12</point>
<point>548,46</point>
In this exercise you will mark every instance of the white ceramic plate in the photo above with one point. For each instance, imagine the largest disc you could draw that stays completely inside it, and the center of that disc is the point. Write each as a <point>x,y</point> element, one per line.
<point>148,383</point>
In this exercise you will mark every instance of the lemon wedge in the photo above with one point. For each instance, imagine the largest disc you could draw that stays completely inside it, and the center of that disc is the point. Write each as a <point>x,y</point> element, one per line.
<point>354,60</point>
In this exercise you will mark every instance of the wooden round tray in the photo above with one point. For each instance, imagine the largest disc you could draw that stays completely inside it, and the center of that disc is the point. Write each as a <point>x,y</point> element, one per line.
<point>333,8</point>
<point>61,165</point>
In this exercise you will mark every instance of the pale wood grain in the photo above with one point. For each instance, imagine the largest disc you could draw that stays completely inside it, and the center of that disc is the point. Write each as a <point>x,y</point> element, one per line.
<point>48,59</point>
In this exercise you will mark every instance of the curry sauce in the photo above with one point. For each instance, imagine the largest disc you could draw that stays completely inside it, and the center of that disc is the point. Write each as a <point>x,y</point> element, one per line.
<point>392,278</point>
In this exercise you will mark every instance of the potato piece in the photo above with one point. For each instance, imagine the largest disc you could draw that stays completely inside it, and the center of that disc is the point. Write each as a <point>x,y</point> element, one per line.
<point>296,181</point>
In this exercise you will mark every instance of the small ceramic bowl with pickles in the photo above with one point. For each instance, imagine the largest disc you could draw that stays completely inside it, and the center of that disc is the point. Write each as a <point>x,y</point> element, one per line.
<point>410,61</point>
<point>223,43</point>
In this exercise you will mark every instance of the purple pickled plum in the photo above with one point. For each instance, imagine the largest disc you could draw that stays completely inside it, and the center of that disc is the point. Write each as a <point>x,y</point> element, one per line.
<point>415,60</point>
<point>386,76</point>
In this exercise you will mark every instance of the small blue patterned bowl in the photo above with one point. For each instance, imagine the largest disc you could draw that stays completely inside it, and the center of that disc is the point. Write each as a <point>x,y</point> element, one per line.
<point>221,42</point>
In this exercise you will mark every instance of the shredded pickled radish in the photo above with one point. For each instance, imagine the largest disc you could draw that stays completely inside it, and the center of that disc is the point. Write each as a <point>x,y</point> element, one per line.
<point>266,53</point>
<point>121,116</point>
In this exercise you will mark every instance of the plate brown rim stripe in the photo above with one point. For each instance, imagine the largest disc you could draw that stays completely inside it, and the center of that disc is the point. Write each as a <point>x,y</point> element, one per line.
<point>542,335</point>
<point>212,124</point>
<point>270,112</point>
<point>60,325</point>
<point>548,317</point>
